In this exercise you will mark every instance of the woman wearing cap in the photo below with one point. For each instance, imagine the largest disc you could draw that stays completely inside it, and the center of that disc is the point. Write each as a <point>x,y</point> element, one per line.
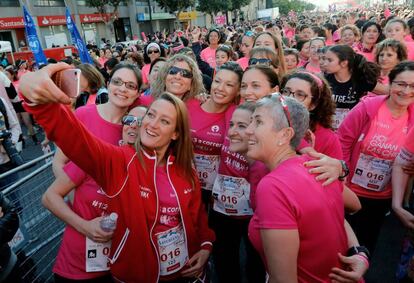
<point>151,52</point>
<point>292,208</point>
<point>84,214</point>
<point>162,232</point>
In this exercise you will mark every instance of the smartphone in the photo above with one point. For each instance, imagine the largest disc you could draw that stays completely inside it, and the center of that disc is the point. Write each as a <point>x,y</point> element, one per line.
<point>68,81</point>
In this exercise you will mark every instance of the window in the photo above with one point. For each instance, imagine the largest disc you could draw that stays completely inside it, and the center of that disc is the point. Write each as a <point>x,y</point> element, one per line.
<point>9,3</point>
<point>50,3</point>
<point>81,2</point>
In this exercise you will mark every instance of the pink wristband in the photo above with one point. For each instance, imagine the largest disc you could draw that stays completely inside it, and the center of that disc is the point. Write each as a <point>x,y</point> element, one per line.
<point>364,259</point>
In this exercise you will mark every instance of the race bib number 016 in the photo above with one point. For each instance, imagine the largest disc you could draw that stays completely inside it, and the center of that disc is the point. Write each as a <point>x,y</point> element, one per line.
<point>232,196</point>
<point>207,166</point>
<point>172,249</point>
<point>372,173</point>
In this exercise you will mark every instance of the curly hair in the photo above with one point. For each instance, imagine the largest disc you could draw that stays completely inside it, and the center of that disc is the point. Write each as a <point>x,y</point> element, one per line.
<point>395,45</point>
<point>324,109</point>
<point>197,86</point>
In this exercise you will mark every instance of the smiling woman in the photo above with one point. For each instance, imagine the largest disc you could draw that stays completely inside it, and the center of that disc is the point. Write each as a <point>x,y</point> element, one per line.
<point>169,219</point>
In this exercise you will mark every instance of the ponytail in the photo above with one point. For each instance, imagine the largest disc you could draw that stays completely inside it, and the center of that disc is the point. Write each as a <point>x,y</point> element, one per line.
<point>364,71</point>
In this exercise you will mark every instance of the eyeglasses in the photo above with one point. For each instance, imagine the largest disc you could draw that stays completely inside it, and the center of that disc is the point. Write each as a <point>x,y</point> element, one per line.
<point>128,85</point>
<point>284,106</point>
<point>403,85</point>
<point>153,51</point>
<point>183,72</point>
<point>128,120</point>
<point>298,95</point>
<point>261,61</point>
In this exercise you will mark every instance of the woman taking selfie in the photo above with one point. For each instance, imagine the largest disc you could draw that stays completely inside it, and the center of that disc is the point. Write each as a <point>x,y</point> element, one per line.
<point>169,228</point>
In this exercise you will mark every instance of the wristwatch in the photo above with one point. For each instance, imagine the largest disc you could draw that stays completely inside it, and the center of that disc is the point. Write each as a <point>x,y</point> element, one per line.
<point>345,170</point>
<point>358,249</point>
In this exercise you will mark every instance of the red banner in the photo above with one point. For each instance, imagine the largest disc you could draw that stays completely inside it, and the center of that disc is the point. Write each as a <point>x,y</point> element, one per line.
<point>44,21</point>
<point>93,18</point>
<point>11,23</point>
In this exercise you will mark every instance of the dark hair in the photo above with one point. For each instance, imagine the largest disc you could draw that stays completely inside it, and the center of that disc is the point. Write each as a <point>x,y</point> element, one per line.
<point>213,30</point>
<point>10,69</point>
<point>272,78</point>
<point>401,67</point>
<point>233,67</point>
<point>159,59</point>
<point>133,68</point>
<point>321,98</point>
<point>397,46</point>
<point>136,57</point>
<point>370,24</point>
<point>300,44</point>
<point>291,51</point>
<point>320,32</point>
<point>226,49</point>
<point>111,63</point>
<point>147,59</point>
<point>362,70</point>
<point>302,27</point>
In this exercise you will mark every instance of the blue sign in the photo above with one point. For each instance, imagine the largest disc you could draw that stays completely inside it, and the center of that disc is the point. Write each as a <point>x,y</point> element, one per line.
<point>140,17</point>
<point>32,38</point>
<point>77,40</point>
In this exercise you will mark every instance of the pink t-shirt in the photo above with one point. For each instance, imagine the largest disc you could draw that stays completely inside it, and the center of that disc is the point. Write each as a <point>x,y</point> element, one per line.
<point>145,73</point>
<point>89,202</point>
<point>207,132</point>
<point>408,38</point>
<point>383,141</point>
<point>257,171</point>
<point>289,198</point>
<point>409,142</point>
<point>209,55</point>
<point>243,62</point>
<point>410,50</point>
<point>91,99</point>
<point>312,69</point>
<point>370,56</point>
<point>169,216</point>
<point>327,142</point>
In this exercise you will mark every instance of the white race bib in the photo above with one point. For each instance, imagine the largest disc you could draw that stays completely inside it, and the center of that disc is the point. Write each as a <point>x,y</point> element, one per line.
<point>97,256</point>
<point>207,166</point>
<point>372,173</point>
<point>232,196</point>
<point>340,114</point>
<point>172,249</point>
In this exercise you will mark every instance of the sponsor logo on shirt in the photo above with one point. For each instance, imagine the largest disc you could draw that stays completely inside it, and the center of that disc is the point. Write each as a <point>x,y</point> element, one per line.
<point>145,192</point>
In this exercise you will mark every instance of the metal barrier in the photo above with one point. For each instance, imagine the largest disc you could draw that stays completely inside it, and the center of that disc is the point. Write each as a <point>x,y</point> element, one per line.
<point>37,241</point>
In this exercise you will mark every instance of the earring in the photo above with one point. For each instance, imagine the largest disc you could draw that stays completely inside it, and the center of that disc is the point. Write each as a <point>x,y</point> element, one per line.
<point>279,143</point>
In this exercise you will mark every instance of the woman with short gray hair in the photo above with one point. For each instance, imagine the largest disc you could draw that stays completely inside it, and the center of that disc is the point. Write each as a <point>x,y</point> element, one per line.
<point>293,210</point>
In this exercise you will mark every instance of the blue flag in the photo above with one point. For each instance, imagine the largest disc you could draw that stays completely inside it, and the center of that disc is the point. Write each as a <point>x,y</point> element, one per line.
<point>77,40</point>
<point>32,38</point>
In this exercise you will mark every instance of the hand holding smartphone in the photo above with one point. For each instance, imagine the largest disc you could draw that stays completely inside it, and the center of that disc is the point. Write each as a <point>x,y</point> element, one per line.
<point>68,81</point>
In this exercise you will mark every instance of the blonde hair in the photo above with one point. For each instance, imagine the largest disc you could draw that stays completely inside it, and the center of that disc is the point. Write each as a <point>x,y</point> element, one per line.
<point>197,87</point>
<point>352,28</point>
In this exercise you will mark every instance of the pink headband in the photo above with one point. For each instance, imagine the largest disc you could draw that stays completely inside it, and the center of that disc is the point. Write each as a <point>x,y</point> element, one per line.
<point>315,78</point>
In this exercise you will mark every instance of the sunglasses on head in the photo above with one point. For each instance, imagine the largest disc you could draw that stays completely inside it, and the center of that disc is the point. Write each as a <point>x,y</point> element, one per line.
<point>153,51</point>
<point>261,61</point>
<point>183,72</point>
<point>128,120</point>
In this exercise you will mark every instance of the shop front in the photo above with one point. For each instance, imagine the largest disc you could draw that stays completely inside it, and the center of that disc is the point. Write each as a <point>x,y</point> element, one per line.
<point>12,30</point>
<point>94,27</point>
<point>53,31</point>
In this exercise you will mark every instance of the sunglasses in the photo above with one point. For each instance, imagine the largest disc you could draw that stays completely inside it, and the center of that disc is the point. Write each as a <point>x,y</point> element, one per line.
<point>128,85</point>
<point>183,72</point>
<point>128,120</point>
<point>153,51</point>
<point>261,61</point>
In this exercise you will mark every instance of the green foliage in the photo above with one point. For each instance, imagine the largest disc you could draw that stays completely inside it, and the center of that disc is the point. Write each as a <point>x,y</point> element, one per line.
<point>215,6</point>
<point>175,6</point>
<point>296,5</point>
<point>102,5</point>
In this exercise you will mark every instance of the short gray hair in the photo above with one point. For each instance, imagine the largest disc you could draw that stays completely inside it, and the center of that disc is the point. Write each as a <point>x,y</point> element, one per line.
<point>299,116</point>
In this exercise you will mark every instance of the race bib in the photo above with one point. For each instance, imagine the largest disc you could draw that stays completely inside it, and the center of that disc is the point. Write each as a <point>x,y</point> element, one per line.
<point>232,196</point>
<point>207,166</point>
<point>172,250</point>
<point>97,256</point>
<point>372,173</point>
<point>340,114</point>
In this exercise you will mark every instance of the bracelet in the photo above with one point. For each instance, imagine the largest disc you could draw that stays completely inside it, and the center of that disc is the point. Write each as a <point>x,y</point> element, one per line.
<point>364,259</point>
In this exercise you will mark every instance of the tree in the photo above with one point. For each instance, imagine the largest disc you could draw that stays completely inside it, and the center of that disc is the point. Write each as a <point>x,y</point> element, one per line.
<point>212,7</point>
<point>296,5</point>
<point>102,6</point>
<point>175,6</point>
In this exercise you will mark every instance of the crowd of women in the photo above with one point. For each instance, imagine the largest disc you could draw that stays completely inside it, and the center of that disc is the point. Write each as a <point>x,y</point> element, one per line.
<point>286,142</point>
